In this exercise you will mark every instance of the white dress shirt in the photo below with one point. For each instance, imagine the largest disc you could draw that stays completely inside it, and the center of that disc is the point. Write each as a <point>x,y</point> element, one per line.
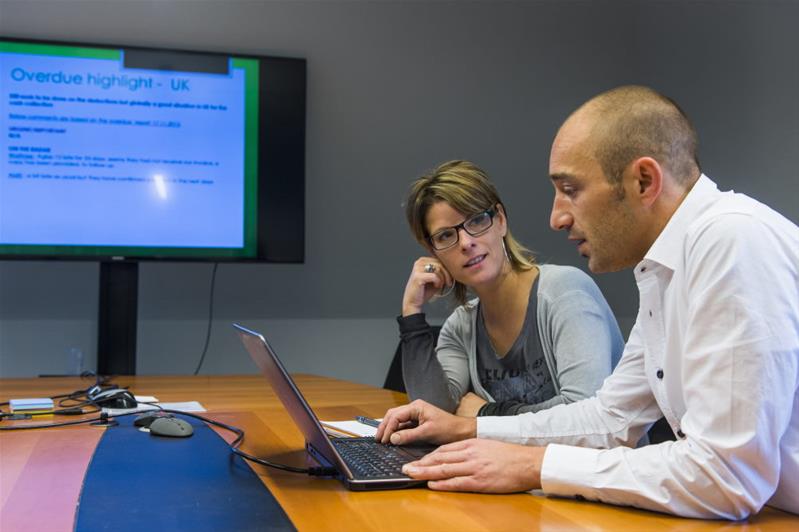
<point>714,349</point>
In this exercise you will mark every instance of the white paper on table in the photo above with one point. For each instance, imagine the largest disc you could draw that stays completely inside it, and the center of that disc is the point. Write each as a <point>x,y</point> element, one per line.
<point>351,426</point>
<point>146,398</point>
<point>186,406</point>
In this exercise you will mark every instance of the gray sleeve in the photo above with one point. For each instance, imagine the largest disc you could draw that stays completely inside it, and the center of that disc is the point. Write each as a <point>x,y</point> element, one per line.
<point>424,376</point>
<point>584,338</point>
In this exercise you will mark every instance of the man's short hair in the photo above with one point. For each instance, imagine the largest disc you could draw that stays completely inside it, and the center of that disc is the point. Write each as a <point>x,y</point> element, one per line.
<point>633,121</point>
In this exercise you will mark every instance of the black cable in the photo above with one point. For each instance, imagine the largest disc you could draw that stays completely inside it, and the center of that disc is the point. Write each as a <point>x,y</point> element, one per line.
<point>71,403</point>
<point>100,381</point>
<point>234,445</point>
<point>103,417</point>
<point>75,409</point>
<point>210,318</point>
<point>283,467</point>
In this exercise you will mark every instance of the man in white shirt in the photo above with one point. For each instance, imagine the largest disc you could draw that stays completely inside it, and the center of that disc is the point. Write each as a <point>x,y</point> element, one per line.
<point>714,350</point>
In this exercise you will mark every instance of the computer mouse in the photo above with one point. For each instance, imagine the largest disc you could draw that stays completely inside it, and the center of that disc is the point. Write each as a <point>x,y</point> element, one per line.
<point>171,426</point>
<point>115,398</point>
<point>146,419</point>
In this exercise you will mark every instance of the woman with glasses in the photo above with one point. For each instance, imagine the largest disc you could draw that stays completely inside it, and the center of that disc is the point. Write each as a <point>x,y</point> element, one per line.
<point>536,335</point>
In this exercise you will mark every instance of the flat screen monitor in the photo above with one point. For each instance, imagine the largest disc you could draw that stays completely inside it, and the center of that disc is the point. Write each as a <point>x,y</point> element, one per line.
<point>116,152</point>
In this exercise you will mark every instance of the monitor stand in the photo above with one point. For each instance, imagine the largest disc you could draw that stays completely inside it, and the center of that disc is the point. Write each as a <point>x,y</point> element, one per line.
<point>117,320</point>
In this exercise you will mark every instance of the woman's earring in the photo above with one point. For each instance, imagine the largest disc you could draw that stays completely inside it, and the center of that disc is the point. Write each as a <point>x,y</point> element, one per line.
<point>505,251</point>
<point>448,290</point>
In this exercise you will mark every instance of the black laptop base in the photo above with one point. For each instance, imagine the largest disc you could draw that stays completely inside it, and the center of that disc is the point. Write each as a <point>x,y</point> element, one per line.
<point>374,465</point>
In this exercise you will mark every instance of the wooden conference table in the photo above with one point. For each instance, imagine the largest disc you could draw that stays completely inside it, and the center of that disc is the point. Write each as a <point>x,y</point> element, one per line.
<point>41,471</point>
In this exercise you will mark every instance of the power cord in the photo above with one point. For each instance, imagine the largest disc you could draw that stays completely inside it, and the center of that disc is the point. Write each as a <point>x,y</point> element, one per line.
<point>234,447</point>
<point>104,418</point>
<point>73,402</point>
<point>210,318</point>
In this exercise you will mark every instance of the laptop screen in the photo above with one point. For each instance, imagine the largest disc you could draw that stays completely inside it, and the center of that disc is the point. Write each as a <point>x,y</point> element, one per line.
<point>267,361</point>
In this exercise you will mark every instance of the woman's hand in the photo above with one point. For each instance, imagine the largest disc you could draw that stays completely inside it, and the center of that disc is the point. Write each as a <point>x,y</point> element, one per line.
<point>428,278</point>
<point>470,405</point>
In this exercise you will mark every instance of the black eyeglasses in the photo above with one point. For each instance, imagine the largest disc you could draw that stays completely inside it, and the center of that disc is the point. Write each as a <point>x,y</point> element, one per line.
<point>475,226</point>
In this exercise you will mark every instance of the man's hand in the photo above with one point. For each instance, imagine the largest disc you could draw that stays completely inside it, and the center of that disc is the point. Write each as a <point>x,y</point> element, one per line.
<point>423,422</point>
<point>480,465</point>
<point>470,404</point>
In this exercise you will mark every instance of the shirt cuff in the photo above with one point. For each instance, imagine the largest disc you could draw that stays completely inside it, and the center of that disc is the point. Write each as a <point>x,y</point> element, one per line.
<point>566,469</point>
<point>502,428</point>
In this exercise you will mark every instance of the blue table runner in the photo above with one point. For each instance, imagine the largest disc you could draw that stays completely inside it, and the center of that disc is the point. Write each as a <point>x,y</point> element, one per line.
<point>139,482</point>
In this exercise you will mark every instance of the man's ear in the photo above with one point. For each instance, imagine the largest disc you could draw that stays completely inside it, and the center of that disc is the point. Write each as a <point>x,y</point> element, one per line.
<point>647,177</point>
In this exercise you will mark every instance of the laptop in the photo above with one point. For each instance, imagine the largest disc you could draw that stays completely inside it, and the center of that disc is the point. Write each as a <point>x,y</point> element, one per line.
<point>362,463</point>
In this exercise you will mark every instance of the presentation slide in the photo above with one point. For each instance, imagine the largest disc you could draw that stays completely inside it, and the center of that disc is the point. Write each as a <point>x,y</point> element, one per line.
<point>97,154</point>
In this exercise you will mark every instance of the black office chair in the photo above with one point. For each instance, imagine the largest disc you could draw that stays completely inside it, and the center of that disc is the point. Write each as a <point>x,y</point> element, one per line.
<point>660,432</point>
<point>394,379</point>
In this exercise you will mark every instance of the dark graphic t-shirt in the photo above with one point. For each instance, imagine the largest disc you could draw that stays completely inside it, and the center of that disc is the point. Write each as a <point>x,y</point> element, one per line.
<point>522,374</point>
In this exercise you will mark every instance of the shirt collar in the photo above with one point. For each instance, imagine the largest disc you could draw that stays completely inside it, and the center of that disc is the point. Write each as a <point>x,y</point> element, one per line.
<point>667,249</point>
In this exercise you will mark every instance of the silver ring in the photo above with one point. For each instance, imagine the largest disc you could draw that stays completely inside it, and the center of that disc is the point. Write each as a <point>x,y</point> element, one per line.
<point>429,268</point>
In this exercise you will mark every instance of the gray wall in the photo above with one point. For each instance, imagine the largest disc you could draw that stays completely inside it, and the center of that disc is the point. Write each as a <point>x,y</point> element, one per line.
<point>393,89</point>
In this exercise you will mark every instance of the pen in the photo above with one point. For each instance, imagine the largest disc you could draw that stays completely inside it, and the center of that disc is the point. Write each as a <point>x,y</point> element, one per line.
<point>368,421</point>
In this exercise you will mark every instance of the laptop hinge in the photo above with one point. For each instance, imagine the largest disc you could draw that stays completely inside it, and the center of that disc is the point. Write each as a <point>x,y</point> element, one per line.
<point>319,457</point>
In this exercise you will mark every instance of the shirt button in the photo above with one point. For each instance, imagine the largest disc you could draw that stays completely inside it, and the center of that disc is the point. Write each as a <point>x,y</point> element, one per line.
<point>643,269</point>
<point>680,434</point>
<point>650,313</point>
<point>659,374</point>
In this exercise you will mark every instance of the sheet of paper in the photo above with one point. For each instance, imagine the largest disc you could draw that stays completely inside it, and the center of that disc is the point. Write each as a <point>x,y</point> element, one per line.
<point>146,398</point>
<point>120,411</point>
<point>186,406</point>
<point>353,427</point>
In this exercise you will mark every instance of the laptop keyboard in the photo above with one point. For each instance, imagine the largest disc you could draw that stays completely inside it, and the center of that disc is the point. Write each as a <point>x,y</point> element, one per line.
<point>368,458</point>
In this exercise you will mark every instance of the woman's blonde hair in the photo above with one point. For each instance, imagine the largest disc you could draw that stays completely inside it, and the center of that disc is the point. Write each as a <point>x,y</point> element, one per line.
<point>466,188</point>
